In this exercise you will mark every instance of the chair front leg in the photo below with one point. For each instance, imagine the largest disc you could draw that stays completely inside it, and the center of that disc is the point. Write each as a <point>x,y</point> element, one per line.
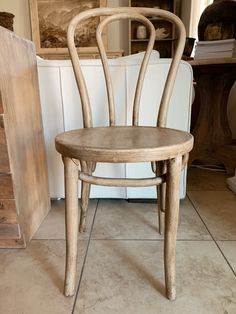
<point>171,223</point>
<point>86,167</point>
<point>72,220</point>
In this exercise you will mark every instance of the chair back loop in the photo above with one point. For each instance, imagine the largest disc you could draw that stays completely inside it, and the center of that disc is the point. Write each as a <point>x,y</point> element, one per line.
<point>113,14</point>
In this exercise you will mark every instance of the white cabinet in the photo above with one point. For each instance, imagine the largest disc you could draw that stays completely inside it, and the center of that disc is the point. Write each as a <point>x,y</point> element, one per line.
<point>62,111</point>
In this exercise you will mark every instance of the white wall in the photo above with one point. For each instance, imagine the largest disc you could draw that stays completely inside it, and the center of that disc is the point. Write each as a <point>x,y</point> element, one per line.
<point>118,31</point>
<point>185,14</point>
<point>20,8</point>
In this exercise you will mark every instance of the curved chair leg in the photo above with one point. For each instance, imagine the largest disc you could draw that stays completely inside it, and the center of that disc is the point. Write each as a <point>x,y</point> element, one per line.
<point>72,219</point>
<point>161,195</point>
<point>85,191</point>
<point>171,223</point>
<point>161,191</point>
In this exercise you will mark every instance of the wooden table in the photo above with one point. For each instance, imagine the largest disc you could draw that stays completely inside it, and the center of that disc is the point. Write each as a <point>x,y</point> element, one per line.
<point>213,140</point>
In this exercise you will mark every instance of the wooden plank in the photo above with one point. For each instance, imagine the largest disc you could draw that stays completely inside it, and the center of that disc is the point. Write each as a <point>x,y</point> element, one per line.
<point>24,132</point>
<point>4,160</point>
<point>1,106</point>
<point>9,231</point>
<point>8,213</point>
<point>6,186</point>
<point>12,243</point>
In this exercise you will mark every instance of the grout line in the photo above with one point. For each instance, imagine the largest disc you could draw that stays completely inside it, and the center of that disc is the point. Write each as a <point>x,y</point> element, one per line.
<point>211,190</point>
<point>230,240</point>
<point>85,258</point>
<point>130,239</point>
<point>212,237</point>
<point>152,240</point>
<point>225,258</point>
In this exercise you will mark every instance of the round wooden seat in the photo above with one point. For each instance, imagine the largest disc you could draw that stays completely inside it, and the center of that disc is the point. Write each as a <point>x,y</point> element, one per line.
<point>124,144</point>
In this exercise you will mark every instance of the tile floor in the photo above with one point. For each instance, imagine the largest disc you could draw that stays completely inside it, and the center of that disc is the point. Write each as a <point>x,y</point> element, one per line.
<point>120,266</point>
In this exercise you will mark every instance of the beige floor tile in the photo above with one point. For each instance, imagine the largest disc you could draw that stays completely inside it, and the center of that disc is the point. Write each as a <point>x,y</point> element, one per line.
<point>218,210</point>
<point>53,227</point>
<point>127,277</point>
<point>119,219</point>
<point>206,180</point>
<point>229,250</point>
<point>31,280</point>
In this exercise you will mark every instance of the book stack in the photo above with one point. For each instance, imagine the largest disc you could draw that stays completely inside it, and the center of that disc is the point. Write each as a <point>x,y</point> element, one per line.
<point>225,48</point>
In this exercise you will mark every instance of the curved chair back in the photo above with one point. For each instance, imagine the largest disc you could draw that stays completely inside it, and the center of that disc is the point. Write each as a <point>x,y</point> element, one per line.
<point>113,14</point>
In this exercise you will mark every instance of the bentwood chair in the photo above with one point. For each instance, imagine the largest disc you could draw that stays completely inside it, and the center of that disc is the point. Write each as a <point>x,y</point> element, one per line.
<point>165,149</point>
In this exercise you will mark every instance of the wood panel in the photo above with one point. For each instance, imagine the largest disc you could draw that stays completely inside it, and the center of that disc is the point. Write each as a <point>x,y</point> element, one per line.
<point>1,106</point>
<point>8,212</point>
<point>6,186</point>
<point>12,243</point>
<point>24,136</point>
<point>9,231</point>
<point>4,160</point>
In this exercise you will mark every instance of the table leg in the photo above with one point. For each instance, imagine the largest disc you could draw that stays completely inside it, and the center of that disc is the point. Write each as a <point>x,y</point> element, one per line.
<point>212,130</point>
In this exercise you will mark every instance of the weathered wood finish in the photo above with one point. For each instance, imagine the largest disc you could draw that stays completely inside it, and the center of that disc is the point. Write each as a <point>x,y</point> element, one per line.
<point>124,144</point>
<point>86,169</point>
<point>8,213</point>
<point>132,12</point>
<point>166,149</point>
<point>161,194</point>
<point>24,196</point>
<point>6,186</point>
<point>4,160</point>
<point>72,220</point>
<point>171,223</point>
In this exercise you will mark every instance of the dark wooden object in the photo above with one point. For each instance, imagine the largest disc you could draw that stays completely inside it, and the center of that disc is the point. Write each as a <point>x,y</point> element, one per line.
<point>212,135</point>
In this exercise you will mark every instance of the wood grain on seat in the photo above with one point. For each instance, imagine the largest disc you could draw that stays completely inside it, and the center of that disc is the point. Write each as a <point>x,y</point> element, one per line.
<point>123,144</point>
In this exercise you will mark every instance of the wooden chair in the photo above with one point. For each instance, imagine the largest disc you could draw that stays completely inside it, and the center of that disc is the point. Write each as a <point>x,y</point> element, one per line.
<point>166,149</point>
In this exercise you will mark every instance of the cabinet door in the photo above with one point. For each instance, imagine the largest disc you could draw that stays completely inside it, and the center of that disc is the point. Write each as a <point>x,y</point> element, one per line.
<point>178,117</point>
<point>73,114</point>
<point>52,114</point>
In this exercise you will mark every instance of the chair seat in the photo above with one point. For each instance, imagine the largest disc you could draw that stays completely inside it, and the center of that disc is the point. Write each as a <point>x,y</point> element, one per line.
<point>124,144</point>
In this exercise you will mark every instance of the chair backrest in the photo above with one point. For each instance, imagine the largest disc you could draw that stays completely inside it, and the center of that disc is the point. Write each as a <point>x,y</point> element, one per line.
<point>110,15</point>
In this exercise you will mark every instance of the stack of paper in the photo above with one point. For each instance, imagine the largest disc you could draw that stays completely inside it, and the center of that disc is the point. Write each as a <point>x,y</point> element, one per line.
<point>215,49</point>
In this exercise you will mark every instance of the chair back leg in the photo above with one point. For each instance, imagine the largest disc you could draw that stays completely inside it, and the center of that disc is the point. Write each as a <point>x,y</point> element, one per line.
<point>85,191</point>
<point>161,195</point>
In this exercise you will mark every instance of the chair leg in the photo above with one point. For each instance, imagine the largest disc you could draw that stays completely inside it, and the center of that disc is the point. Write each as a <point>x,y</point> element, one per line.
<point>161,195</point>
<point>72,219</point>
<point>161,192</point>
<point>85,191</point>
<point>171,223</point>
